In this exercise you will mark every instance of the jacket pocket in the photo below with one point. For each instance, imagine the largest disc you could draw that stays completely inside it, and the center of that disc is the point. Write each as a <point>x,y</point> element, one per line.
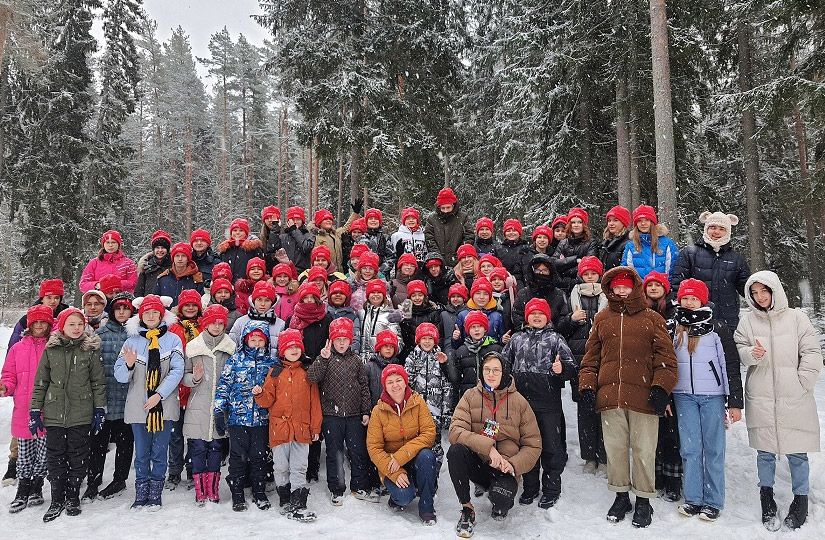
<point>715,373</point>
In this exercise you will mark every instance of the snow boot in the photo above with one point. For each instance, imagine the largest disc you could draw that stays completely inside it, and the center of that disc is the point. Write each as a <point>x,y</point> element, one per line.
<point>155,501</point>
<point>213,486</point>
<point>55,509</point>
<point>73,506</point>
<point>298,505</point>
<point>643,515</point>
<point>621,506</point>
<point>428,518</point>
<point>689,510</point>
<point>36,492</point>
<point>466,523</point>
<point>141,493</point>
<point>548,500</point>
<point>172,482</point>
<point>364,495</point>
<point>236,486</point>
<point>797,513</point>
<point>284,499</point>
<point>261,501</point>
<point>526,499</point>
<point>10,478</point>
<point>21,500</point>
<point>770,518</point>
<point>114,488</point>
<point>478,491</point>
<point>200,488</point>
<point>709,513</point>
<point>90,494</point>
<point>672,491</point>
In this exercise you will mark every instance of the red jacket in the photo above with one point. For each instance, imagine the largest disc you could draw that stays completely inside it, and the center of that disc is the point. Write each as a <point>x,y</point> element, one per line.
<point>185,337</point>
<point>294,404</point>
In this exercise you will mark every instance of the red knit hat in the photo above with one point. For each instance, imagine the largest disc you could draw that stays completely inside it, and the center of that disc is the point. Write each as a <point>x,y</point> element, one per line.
<point>255,262</point>
<point>284,268</point>
<point>220,284</point>
<point>222,270</point>
<point>112,235</point>
<point>152,302</point>
<point>375,286</point>
<point>110,284</point>
<point>189,296</point>
<point>264,289</point>
<point>407,258</point>
<point>239,223</point>
<point>296,213</point>
<point>543,229</point>
<point>51,286</point>
<point>200,234</point>
<point>619,213</point>
<point>322,215</point>
<point>580,213</point>
<point>498,272</point>
<point>410,213</point>
<point>373,213</point>
<point>645,211</point>
<point>341,327</point>
<point>290,338</point>
<point>386,337</point>
<point>320,251</point>
<point>426,329</point>
<point>481,284</point>
<point>316,272</point>
<point>658,277</point>
<point>368,258</point>
<point>559,221</point>
<point>446,196</point>
<point>476,317</point>
<point>485,222</point>
<point>270,212</point>
<point>394,369</point>
<point>460,290</point>
<point>162,238</point>
<point>693,287</point>
<point>358,250</point>
<point>308,288</point>
<point>256,332</point>
<point>466,250</point>
<point>490,258</point>
<point>359,225</point>
<point>340,286</point>
<point>513,224</point>
<point>415,286</point>
<point>590,262</point>
<point>64,316</point>
<point>623,279</point>
<point>434,261</point>
<point>537,304</point>
<point>184,248</point>
<point>39,313</point>
<point>212,314</point>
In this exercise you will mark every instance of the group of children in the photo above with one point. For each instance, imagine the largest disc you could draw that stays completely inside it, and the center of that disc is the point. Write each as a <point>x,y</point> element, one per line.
<point>282,340</point>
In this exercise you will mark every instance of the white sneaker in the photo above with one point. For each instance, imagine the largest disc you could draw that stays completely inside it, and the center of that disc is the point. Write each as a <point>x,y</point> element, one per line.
<point>336,500</point>
<point>369,496</point>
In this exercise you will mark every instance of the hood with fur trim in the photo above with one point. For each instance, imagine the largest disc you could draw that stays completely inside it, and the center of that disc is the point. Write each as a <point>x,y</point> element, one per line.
<point>133,324</point>
<point>251,243</point>
<point>88,341</point>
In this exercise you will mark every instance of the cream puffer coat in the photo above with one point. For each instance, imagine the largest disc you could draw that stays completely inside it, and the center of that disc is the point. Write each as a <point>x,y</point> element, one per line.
<point>780,410</point>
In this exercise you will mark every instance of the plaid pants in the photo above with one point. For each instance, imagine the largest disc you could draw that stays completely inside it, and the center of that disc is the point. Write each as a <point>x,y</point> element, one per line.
<point>31,458</point>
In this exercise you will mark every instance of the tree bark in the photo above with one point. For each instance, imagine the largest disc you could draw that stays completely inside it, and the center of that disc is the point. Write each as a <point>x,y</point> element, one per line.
<point>635,189</point>
<point>586,164</point>
<point>810,207</point>
<point>622,143</point>
<point>355,173</point>
<point>6,15</point>
<point>187,179</point>
<point>663,114</point>
<point>340,188</point>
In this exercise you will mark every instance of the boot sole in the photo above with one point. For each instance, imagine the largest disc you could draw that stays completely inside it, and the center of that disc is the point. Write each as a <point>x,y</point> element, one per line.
<point>16,510</point>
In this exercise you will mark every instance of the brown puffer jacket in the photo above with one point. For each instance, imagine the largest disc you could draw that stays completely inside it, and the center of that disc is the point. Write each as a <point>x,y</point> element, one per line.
<point>518,438</point>
<point>628,352</point>
<point>399,432</point>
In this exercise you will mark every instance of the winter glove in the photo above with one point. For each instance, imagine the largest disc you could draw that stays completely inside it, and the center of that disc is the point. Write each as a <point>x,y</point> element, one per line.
<point>588,400</point>
<point>357,206</point>
<point>98,420</point>
<point>36,423</point>
<point>659,399</point>
<point>220,423</point>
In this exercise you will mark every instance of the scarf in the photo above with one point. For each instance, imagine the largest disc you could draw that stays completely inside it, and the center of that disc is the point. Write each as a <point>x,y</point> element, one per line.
<point>590,289</point>
<point>697,321</point>
<point>190,329</point>
<point>154,418</point>
<point>306,313</point>
<point>474,346</point>
<point>269,316</point>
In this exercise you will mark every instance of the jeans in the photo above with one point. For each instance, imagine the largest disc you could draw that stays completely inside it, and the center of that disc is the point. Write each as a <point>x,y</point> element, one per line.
<point>206,455</point>
<point>177,457</point>
<point>338,432</point>
<point>800,470</point>
<point>702,438</point>
<point>151,452</point>
<point>422,472</point>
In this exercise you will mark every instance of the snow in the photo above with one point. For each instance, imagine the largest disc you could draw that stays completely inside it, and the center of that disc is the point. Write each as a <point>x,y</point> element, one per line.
<point>580,512</point>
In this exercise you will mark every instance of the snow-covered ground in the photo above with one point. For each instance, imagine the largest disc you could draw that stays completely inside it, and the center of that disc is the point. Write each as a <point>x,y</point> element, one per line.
<point>580,513</point>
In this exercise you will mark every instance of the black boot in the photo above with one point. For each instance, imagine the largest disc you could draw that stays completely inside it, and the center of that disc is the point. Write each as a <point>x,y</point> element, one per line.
<point>236,487</point>
<point>643,514</point>
<point>298,503</point>
<point>797,513</point>
<point>524,499</point>
<point>548,500</point>
<point>36,493</point>
<point>284,496</point>
<point>261,501</point>
<point>115,487</point>
<point>21,500</point>
<point>90,494</point>
<point>621,506</point>
<point>672,491</point>
<point>10,478</point>
<point>155,501</point>
<point>73,506</point>
<point>54,511</point>
<point>769,518</point>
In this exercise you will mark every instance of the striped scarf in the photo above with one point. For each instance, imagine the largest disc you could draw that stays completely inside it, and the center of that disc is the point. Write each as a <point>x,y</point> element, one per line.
<point>154,418</point>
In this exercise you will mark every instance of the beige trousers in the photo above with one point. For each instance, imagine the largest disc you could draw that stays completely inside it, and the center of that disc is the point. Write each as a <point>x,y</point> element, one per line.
<point>625,431</point>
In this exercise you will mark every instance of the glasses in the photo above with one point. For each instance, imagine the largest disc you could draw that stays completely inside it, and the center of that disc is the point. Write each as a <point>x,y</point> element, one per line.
<point>492,371</point>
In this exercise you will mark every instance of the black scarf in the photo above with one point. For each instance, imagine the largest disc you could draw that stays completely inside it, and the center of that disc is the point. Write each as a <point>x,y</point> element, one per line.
<point>697,321</point>
<point>154,418</point>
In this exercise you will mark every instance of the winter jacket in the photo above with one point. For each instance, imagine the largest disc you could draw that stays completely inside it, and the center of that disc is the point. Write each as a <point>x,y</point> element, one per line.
<point>504,305</point>
<point>342,380</point>
<point>212,353</point>
<point>539,286</point>
<point>206,261</point>
<point>171,283</point>
<point>148,270</point>
<point>294,404</point>
<point>485,246</point>
<point>237,255</point>
<point>271,239</point>
<point>515,256</point>
<point>276,326</point>
<point>244,370</point>
<point>109,263</point>
<point>518,438</point>
<point>445,232</point>
<point>243,291</point>
<point>379,243</point>
<point>530,356</point>
<point>406,241</point>
<point>591,299</point>
<point>724,272</point>
<point>315,336</point>
<point>171,371</point>
<point>351,314</point>
<point>611,251</point>
<point>287,298</point>
<point>780,408</point>
<point>333,240</point>
<point>374,320</point>
<point>18,376</point>
<point>646,262</point>
<point>628,352</point>
<point>375,365</point>
<point>449,316</point>
<point>400,432</point>
<point>430,378</point>
<point>427,312</point>
<point>464,366</point>
<point>69,383</point>
<point>438,289</point>
<point>398,288</point>
<point>566,260</point>
<point>23,323</point>
<point>496,329</point>
<point>298,244</point>
<point>112,336</point>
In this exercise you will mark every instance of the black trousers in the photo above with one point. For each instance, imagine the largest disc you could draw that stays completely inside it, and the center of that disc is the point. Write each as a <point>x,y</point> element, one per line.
<point>247,449</point>
<point>553,456</point>
<point>668,457</point>
<point>120,433</point>
<point>591,442</point>
<point>466,466</point>
<point>67,452</point>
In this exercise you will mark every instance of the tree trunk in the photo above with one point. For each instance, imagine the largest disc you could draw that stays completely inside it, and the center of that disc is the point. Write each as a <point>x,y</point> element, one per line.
<point>187,180</point>
<point>340,188</point>
<point>287,175</point>
<point>756,240</point>
<point>6,15</point>
<point>663,113</point>
<point>623,143</point>
<point>310,181</point>
<point>635,189</point>
<point>355,173</point>
<point>810,208</point>
<point>586,164</point>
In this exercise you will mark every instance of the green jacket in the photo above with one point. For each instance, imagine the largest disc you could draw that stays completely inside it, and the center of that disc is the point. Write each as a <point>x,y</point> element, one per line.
<point>70,381</point>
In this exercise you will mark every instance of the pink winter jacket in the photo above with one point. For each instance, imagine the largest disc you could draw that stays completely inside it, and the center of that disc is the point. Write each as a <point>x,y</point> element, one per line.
<point>112,263</point>
<point>286,302</point>
<point>18,377</point>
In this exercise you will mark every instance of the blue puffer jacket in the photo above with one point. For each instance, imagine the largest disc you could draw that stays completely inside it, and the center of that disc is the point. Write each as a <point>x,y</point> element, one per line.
<point>645,261</point>
<point>495,331</point>
<point>244,370</point>
<point>112,336</point>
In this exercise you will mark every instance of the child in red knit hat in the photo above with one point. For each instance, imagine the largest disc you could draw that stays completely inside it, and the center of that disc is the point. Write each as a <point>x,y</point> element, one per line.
<point>485,240</point>
<point>377,314</point>
<point>409,238</point>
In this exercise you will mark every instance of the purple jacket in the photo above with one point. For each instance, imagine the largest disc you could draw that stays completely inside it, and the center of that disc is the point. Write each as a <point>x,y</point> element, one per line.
<point>703,372</point>
<point>18,376</point>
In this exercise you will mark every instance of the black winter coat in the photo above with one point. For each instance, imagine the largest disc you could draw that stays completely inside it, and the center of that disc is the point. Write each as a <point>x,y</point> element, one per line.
<point>315,336</point>
<point>238,256</point>
<point>543,287</point>
<point>438,289</point>
<point>485,246</point>
<point>298,244</point>
<point>515,256</point>
<point>725,273</point>
<point>420,314</point>
<point>566,260</point>
<point>610,252</point>
<point>272,243</point>
<point>449,315</point>
<point>206,261</point>
<point>149,268</point>
<point>463,367</point>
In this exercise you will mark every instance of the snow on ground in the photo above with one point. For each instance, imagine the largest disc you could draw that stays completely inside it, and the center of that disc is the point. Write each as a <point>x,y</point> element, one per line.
<point>580,513</point>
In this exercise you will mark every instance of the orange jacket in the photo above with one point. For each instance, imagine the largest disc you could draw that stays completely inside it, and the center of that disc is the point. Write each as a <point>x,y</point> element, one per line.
<point>294,404</point>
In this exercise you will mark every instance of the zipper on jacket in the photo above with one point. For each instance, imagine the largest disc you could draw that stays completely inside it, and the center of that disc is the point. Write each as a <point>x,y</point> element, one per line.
<point>692,388</point>
<point>773,378</point>
<point>621,346</point>
<point>715,373</point>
